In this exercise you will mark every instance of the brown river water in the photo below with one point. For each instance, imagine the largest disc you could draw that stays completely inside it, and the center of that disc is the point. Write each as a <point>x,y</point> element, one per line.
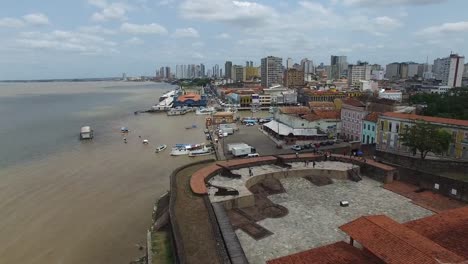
<point>66,201</point>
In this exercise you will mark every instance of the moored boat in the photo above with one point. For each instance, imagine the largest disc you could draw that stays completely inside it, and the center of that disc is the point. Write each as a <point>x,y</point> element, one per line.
<point>161,148</point>
<point>86,133</point>
<point>179,151</point>
<point>200,152</point>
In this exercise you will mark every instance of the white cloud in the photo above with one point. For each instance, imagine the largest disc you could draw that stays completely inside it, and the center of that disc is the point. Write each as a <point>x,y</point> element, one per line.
<point>152,28</point>
<point>11,22</point>
<point>445,28</point>
<point>97,30</point>
<point>37,19</point>
<point>166,2</point>
<point>98,3</point>
<point>114,11</point>
<point>240,13</point>
<point>370,3</point>
<point>186,33</point>
<point>68,41</point>
<point>387,23</point>
<point>197,55</point>
<point>134,41</point>
<point>316,7</point>
<point>223,36</point>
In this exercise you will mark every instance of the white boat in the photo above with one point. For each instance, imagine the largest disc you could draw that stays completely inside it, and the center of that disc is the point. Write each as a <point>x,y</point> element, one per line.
<point>200,152</point>
<point>145,141</point>
<point>124,129</point>
<point>179,151</point>
<point>205,111</point>
<point>161,148</point>
<point>86,133</point>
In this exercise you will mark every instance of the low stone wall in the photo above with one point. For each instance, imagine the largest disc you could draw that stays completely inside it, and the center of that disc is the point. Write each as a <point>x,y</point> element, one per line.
<point>427,165</point>
<point>249,200</point>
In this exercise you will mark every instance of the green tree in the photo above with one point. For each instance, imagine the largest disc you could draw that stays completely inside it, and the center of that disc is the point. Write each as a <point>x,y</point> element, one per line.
<point>424,137</point>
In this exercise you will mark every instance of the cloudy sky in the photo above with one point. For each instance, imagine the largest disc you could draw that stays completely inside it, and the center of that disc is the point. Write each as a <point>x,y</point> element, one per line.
<point>98,38</point>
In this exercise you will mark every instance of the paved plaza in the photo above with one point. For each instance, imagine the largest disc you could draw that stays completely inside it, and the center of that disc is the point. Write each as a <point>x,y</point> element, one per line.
<point>315,215</point>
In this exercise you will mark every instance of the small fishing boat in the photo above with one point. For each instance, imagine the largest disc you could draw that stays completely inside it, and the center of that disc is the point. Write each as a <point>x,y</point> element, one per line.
<point>124,129</point>
<point>145,141</point>
<point>161,148</point>
<point>192,126</point>
<point>86,133</point>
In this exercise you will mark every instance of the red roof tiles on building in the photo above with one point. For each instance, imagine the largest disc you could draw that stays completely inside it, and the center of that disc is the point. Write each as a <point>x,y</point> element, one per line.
<point>372,117</point>
<point>328,114</point>
<point>393,242</point>
<point>189,96</point>
<point>293,110</point>
<point>431,119</point>
<point>337,253</point>
<point>353,102</point>
<point>448,229</point>
<point>320,105</point>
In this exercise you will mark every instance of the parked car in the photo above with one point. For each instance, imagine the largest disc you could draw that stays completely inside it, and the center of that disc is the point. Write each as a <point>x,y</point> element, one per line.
<point>251,155</point>
<point>323,143</point>
<point>296,147</point>
<point>330,142</point>
<point>317,145</point>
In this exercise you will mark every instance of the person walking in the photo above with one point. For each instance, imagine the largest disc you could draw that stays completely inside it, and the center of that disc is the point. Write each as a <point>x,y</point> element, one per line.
<point>250,172</point>
<point>313,164</point>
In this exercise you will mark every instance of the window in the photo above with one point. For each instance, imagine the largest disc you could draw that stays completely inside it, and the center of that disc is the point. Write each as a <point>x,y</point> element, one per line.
<point>373,128</point>
<point>397,128</point>
<point>390,126</point>
<point>381,125</point>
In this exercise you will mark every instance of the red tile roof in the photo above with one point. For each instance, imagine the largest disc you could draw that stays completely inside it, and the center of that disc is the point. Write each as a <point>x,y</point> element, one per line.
<point>328,114</point>
<point>293,110</point>
<point>337,253</point>
<point>448,229</point>
<point>189,96</point>
<point>372,117</point>
<point>353,102</point>
<point>430,119</point>
<point>393,242</point>
<point>322,105</point>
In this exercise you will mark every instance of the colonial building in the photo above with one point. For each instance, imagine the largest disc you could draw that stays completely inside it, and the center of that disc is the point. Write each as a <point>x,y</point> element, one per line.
<point>294,78</point>
<point>391,125</point>
<point>352,113</point>
<point>369,128</point>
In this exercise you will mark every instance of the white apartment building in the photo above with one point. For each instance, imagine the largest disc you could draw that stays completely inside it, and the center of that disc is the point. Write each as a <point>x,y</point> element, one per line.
<point>271,71</point>
<point>377,75</point>
<point>358,73</point>
<point>450,70</point>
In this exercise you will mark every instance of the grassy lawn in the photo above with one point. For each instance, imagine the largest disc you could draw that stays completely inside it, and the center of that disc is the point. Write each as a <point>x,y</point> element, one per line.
<point>161,248</point>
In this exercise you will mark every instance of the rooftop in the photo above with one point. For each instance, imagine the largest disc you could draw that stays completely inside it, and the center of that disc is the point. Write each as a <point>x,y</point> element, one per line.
<point>336,253</point>
<point>372,117</point>
<point>430,119</point>
<point>448,229</point>
<point>393,242</point>
<point>321,105</point>
<point>189,96</point>
<point>292,110</point>
<point>353,102</point>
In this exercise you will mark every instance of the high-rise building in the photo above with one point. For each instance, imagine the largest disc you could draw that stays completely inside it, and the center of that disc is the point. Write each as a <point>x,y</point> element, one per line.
<point>450,70</point>
<point>271,71</point>
<point>228,69</point>
<point>465,72</point>
<point>161,72</point>
<point>294,78</point>
<point>167,74</point>
<point>412,69</point>
<point>339,67</point>
<point>216,71</point>
<point>307,66</point>
<point>358,72</point>
<point>289,63</point>
<point>251,64</point>
<point>238,73</point>
<point>202,70</point>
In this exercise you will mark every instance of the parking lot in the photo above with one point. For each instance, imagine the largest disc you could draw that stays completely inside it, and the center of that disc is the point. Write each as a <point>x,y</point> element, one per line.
<point>254,137</point>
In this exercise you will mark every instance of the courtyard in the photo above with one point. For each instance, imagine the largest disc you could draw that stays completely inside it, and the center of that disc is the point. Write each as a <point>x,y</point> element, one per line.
<point>314,215</point>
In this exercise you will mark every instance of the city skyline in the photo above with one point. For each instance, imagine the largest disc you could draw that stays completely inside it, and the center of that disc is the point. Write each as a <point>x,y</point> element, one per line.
<point>100,38</point>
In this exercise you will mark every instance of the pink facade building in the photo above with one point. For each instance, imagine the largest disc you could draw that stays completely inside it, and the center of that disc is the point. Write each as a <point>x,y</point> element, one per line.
<point>352,114</point>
